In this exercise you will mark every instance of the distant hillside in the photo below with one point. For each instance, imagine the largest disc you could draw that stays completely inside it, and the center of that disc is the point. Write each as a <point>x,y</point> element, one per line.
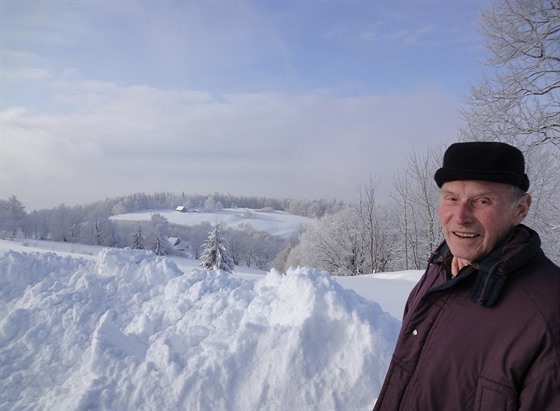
<point>276,223</point>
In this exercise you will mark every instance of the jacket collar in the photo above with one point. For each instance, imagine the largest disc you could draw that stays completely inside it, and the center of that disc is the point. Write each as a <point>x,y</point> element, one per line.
<point>492,272</point>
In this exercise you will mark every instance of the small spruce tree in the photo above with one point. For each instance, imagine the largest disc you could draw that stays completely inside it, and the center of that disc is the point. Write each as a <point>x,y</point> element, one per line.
<point>216,255</point>
<point>159,248</point>
<point>137,242</point>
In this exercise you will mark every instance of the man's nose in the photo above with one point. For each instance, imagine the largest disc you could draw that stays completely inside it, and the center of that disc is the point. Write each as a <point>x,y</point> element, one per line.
<point>464,213</point>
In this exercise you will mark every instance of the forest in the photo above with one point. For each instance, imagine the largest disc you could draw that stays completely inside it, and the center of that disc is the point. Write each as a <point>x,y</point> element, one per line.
<point>92,224</point>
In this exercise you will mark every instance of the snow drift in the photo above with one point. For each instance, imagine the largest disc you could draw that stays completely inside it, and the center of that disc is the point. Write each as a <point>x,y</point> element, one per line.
<point>133,331</point>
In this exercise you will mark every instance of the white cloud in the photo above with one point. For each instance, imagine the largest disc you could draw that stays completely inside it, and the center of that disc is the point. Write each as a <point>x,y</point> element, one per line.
<point>28,74</point>
<point>107,140</point>
<point>108,98</point>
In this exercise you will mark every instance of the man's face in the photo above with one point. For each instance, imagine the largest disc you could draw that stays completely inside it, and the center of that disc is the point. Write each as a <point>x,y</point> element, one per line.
<point>476,216</point>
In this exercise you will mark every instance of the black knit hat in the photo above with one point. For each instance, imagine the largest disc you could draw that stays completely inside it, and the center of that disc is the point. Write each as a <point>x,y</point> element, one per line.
<point>483,161</point>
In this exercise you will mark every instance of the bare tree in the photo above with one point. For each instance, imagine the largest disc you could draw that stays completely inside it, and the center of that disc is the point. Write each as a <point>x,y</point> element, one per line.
<point>416,196</point>
<point>97,229</point>
<point>402,198</point>
<point>518,101</point>
<point>371,229</point>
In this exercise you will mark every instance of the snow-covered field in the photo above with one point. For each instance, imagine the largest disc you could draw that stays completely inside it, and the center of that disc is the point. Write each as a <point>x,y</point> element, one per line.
<point>89,328</point>
<point>276,223</point>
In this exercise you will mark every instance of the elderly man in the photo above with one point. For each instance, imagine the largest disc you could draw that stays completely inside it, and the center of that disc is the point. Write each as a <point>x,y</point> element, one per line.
<point>481,329</point>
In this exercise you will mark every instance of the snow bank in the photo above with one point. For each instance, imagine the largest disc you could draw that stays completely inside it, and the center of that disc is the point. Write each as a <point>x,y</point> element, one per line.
<point>132,331</point>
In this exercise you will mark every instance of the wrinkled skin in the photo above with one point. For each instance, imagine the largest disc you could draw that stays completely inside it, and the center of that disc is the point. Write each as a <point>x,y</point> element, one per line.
<point>477,216</point>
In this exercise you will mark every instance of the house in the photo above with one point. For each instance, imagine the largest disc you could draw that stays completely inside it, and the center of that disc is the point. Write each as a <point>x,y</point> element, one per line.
<point>181,209</point>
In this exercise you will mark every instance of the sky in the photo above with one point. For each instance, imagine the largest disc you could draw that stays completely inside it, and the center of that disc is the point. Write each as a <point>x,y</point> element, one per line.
<point>289,99</point>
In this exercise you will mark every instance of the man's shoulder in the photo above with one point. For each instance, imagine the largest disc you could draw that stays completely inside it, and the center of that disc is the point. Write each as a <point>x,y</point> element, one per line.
<point>540,281</point>
<point>542,266</point>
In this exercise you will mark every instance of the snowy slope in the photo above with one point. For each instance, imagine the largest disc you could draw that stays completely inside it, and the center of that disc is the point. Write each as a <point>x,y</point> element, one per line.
<point>125,329</point>
<point>277,223</point>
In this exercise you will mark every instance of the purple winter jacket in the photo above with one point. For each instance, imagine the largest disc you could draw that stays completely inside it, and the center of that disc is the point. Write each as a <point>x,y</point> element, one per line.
<point>486,340</point>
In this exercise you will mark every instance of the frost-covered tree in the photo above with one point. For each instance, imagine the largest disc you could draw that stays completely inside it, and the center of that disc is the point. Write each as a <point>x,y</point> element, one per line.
<point>37,225</point>
<point>196,237</point>
<point>210,204</point>
<point>216,255</point>
<point>267,248</point>
<point>12,216</point>
<point>65,223</point>
<point>252,247</point>
<point>543,168</point>
<point>137,242</point>
<point>98,229</point>
<point>517,100</point>
<point>416,197</point>
<point>280,262</point>
<point>372,228</point>
<point>333,244</point>
<point>288,256</point>
<point>159,247</point>
<point>118,208</point>
<point>355,240</point>
<point>156,234</point>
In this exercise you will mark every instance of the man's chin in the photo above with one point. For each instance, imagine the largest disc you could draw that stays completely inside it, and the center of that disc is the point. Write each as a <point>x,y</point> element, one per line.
<point>462,253</point>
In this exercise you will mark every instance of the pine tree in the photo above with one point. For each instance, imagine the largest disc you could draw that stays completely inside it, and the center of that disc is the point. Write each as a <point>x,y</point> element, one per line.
<point>216,255</point>
<point>159,248</point>
<point>137,242</point>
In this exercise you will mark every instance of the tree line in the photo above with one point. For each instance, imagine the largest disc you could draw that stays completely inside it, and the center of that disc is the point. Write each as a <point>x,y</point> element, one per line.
<point>377,233</point>
<point>92,224</point>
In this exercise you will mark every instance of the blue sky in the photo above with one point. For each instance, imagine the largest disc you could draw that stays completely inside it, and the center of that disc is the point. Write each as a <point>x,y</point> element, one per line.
<point>299,99</point>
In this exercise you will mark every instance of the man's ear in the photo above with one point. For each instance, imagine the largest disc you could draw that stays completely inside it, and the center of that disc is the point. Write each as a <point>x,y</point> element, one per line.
<point>522,208</point>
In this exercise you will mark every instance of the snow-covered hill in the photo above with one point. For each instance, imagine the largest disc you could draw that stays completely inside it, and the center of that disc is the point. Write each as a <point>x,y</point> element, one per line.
<point>124,329</point>
<point>277,223</point>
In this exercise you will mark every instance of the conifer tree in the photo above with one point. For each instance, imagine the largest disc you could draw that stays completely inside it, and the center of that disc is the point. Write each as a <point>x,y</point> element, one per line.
<point>137,242</point>
<point>216,254</point>
<point>159,248</point>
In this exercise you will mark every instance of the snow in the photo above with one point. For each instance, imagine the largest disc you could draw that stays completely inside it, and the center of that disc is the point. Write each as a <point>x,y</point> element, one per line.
<point>90,328</point>
<point>276,223</point>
